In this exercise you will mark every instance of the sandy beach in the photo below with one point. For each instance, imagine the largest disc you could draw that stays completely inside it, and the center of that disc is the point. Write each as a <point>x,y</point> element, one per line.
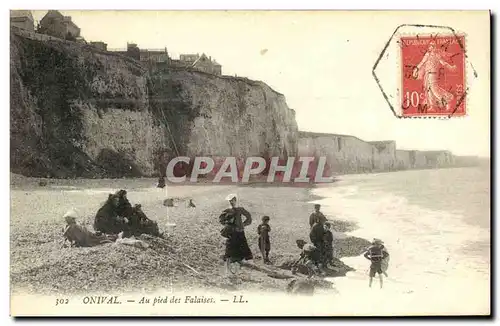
<point>188,258</point>
<point>438,248</point>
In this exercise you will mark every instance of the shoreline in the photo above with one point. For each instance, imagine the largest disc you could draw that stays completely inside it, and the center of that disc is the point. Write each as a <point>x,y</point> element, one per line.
<point>408,222</point>
<point>17,179</point>
<point>36,259</point>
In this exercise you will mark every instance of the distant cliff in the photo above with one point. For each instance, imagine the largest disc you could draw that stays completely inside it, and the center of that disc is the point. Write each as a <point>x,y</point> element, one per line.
<point>77,111</point>
<point>349,154</point>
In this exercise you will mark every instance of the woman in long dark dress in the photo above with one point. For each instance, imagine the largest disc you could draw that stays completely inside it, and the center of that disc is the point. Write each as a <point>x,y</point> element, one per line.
<point>237,247</point>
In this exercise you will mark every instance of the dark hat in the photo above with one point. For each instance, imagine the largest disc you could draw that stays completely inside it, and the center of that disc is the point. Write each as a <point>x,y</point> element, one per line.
<point>300,241</point>
<point>265,218</point>
<point>121,192</point>
<point>317,205</point>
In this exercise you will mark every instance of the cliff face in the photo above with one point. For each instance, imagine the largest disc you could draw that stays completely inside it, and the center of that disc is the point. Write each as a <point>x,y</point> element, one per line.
<point>348,154</point>
<point>77,111</point>
<point>224,116</point>
<point>384,155</point>
<point>344,154</point>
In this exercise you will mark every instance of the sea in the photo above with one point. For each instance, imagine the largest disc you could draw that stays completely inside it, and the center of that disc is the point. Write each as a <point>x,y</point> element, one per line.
<point>436,226</point>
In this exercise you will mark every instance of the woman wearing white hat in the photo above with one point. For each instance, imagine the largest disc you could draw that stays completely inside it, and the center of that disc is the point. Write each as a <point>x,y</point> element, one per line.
<point>237,247</point>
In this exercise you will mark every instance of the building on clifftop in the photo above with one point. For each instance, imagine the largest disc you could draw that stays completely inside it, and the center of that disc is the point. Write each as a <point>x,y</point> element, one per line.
<point>22,19</point>
<point>154,56</point>
<point>100,45</point>
<point>199,62</point>
<point>144,55</point>
<point>55,24</point>
<point>159,57</point>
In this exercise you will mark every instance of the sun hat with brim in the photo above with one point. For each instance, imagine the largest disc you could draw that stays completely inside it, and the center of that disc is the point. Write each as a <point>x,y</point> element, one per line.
<point>231,196</point>
<point>71,213</point>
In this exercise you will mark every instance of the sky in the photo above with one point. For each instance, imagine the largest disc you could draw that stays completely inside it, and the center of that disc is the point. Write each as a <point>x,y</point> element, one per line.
<point>321,61</point>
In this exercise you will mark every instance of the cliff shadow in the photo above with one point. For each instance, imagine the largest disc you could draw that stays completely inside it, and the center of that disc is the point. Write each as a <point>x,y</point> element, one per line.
<point>117,165</point>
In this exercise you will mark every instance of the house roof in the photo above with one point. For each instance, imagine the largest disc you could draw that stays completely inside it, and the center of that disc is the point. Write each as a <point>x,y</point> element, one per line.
<point>21,14</point>
<point>53,14</point>
<point>189,55</point>
<point>202,56</point>
<point>56,14</point>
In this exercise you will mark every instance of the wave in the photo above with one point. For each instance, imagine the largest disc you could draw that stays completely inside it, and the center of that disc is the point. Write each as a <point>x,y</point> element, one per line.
<point>426,245</point>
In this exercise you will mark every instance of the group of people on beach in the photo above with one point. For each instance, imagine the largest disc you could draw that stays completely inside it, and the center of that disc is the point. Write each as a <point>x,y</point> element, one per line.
<point>316,256</point>
<point>234,219</point>
<point>115,218</point>
<point>117,215</point>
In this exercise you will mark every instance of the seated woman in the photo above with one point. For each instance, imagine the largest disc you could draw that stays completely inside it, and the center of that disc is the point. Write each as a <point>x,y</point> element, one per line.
<point>107,219</point>
<point>139,224</point>
<point>79,236</point>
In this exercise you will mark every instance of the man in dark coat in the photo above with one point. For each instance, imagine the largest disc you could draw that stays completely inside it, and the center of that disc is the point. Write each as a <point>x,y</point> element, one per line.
<point>317,235</point>
<point>317,216</point>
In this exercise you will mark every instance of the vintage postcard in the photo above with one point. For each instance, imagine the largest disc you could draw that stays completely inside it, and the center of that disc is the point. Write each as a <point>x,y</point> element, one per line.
<point>250,163</point>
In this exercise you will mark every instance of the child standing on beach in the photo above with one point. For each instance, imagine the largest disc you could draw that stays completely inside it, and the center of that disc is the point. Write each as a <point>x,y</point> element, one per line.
<point>377,254</point>
<point>264,242</point>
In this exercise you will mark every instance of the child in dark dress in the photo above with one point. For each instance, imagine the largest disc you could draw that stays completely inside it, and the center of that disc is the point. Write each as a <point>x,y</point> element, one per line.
<point>264,242</point>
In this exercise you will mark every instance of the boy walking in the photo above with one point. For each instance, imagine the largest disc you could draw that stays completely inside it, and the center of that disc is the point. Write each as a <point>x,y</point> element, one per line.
<point>264,241</point>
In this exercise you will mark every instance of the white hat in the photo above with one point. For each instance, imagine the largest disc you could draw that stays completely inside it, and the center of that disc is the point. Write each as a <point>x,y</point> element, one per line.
<point>231,196</point>
<point>71,213</point>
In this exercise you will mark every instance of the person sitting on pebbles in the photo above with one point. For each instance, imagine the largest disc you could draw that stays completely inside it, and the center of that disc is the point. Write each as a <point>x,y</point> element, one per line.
<point>310,257</point>
<point>79,236</point>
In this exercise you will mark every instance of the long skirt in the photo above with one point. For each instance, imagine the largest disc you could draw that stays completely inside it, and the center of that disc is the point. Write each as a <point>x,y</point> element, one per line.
<point>320,254</point>
<point>237,248</point>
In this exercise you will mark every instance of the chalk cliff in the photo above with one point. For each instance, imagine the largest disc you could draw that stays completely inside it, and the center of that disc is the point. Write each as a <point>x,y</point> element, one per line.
<point>77,111</point>
<point>349,154</point>
<point>80,112</point>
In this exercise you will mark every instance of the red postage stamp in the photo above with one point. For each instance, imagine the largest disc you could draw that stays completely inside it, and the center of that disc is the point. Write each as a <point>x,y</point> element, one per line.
<point>433,75</point>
